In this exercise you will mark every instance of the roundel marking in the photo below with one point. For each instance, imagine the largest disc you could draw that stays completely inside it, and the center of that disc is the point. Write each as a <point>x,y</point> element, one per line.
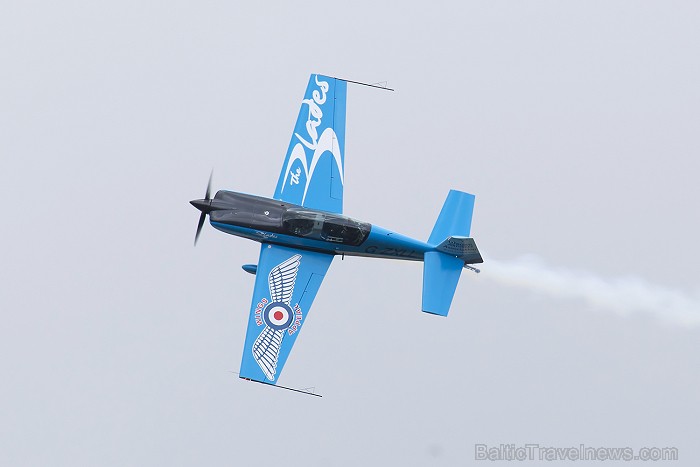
<point>278,316</point>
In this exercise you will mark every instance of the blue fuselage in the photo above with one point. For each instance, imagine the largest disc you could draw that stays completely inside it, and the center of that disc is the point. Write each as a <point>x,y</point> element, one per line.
<point>273,221</point>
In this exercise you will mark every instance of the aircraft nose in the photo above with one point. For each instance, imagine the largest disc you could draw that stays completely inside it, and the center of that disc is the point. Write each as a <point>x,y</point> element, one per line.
<point>203,205</point>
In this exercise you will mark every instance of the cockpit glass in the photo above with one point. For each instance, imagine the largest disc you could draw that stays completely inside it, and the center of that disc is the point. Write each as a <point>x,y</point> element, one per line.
<point>270,215</point>
<point>325,226</point>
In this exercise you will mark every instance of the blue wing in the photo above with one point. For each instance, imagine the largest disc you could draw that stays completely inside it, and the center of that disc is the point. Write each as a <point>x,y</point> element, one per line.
<point>286,283</point>
<point>313,170</point>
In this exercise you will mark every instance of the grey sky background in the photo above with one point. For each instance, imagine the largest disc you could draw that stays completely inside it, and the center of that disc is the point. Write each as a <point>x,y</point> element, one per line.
<point>574,123</point>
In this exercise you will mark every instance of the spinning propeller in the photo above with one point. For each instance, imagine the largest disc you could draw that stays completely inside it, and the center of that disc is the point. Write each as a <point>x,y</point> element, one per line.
<point>203,205</point>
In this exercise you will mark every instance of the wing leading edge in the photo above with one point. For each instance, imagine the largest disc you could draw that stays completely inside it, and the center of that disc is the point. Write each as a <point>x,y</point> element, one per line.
<point>286,283</point>
<point>313,169</point>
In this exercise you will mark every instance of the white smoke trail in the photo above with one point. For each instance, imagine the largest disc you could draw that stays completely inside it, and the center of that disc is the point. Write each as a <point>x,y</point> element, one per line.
<point>624,295</point>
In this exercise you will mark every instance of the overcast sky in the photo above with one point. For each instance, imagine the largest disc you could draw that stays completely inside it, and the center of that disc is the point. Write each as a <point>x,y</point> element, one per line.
<point>575,124</point>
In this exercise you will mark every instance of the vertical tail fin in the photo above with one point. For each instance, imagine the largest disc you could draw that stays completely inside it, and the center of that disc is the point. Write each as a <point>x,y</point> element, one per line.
<point>443,266</point>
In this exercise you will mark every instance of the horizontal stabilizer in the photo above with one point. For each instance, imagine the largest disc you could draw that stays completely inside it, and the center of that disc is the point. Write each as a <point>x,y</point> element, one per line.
<point>440,277</point>
<point>455,217</point>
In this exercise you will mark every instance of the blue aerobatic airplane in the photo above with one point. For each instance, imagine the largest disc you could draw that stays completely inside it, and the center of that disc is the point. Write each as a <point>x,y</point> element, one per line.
<point>301,229</point>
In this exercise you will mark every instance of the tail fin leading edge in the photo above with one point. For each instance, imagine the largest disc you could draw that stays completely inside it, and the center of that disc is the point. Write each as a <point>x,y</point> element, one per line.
<point>453,249</point>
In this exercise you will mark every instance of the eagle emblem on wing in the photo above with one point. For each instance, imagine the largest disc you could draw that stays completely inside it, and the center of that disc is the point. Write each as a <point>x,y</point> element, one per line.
<point>278,315</point>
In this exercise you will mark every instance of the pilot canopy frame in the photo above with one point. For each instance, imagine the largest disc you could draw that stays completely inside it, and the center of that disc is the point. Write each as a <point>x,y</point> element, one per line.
<point>256,212</point>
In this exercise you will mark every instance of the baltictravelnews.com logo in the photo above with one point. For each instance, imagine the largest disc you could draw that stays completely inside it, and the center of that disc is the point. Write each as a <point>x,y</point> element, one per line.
<point>537,452</point>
